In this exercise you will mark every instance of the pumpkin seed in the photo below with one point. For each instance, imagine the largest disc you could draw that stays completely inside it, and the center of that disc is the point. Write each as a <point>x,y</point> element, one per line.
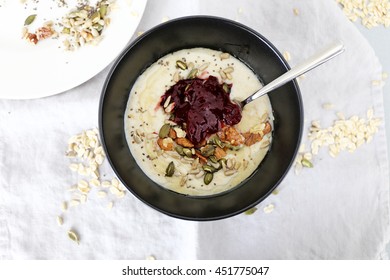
<point>103,11</point>
<point>179,150</point>
<point>207,150</point>
<point>231,147</point>
<point>170,169</point>
<point>208,178</point>
<point>219,143</point>
<point>209,168</point>
<point>181,64</point>
<point>250,211</point>
<point>164,131</point>
<point>213,159</point>
<point>95,17</point>
<point>73,236</point>
<point>66,30</point>
<point>187,152</point>
<point>216,165</point>
<point>307,163</point>
<point>193,73</point>
<point>30,19</point>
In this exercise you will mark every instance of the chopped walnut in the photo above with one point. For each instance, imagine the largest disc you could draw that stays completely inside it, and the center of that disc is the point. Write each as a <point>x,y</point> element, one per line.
<point>44,32</point>
<point>219,153</point>
<point>231,135</point>
<point>252,138</point>
<point>164,144</point>
<point>32,38</point>
<point>184,142</point>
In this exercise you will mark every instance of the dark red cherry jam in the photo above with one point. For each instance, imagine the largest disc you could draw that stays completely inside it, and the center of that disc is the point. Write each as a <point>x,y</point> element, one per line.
<point>202,107</point>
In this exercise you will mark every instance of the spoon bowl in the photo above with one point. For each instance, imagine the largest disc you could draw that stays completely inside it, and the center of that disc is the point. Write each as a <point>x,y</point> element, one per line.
<point>295,72</point>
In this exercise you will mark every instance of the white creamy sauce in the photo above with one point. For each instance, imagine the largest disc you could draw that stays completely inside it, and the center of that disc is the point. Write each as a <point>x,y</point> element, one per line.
<point>144,118</point>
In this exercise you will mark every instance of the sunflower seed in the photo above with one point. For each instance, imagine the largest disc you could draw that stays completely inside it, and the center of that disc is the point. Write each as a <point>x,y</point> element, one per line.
<point>224,56</point>
<point>228,70</point>
<point>230,172</point>
<point>193,73</point>
<point>222,74</point>
<point>183,181</point>
<point>204,66</point>
<point>167,101</point>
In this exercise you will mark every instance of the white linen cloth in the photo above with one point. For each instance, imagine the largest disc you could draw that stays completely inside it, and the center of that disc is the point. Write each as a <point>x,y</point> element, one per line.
<point>337,210</point>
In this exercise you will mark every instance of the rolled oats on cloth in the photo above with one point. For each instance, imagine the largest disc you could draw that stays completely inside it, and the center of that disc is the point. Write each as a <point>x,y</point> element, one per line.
<point>338,209</point>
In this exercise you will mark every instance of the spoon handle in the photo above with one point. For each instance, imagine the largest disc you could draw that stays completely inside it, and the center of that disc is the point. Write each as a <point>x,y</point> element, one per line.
<point>298,70</point>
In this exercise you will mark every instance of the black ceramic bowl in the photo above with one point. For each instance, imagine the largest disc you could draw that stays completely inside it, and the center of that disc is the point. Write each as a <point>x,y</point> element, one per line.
<point>220,34</point>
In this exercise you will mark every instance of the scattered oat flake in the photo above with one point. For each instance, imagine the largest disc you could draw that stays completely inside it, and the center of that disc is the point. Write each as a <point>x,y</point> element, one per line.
<point>275,192</point>
<point>269,208</point>
<point>73,236</point>
<point>150,258</point>
<point>385,75</point>
<point>343,135</point>
<point>106,184</point>
<point>287,55</point>
<point>328,106</point>
<point>370,12</point>
<point>296,11</point>
<point>110,205</point>
<point>60,220</point>
<point>101,194</point>
<point>164,19</point>
<point>376,82</point>
<point>64,206</point>
<point>74,202</point>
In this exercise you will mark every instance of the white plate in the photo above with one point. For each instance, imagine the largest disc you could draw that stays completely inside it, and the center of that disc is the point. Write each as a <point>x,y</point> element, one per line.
<point>31,71</point>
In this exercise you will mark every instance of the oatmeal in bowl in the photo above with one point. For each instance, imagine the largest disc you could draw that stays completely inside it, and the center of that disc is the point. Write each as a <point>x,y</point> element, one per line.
<point>171,127</point>
<point>184,129</point>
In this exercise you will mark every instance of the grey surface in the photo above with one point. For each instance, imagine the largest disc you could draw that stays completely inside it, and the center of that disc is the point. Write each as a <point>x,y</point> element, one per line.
<point>379,38</point>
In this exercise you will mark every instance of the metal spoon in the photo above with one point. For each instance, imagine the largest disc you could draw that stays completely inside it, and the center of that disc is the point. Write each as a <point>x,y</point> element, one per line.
<point>298,70</point>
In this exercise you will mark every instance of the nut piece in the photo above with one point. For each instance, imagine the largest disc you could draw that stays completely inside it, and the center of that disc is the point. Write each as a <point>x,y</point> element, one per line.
<point>184,142</point>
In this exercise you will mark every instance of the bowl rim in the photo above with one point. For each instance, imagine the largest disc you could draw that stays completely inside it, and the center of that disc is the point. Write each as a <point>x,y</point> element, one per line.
<point>134,43</point>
